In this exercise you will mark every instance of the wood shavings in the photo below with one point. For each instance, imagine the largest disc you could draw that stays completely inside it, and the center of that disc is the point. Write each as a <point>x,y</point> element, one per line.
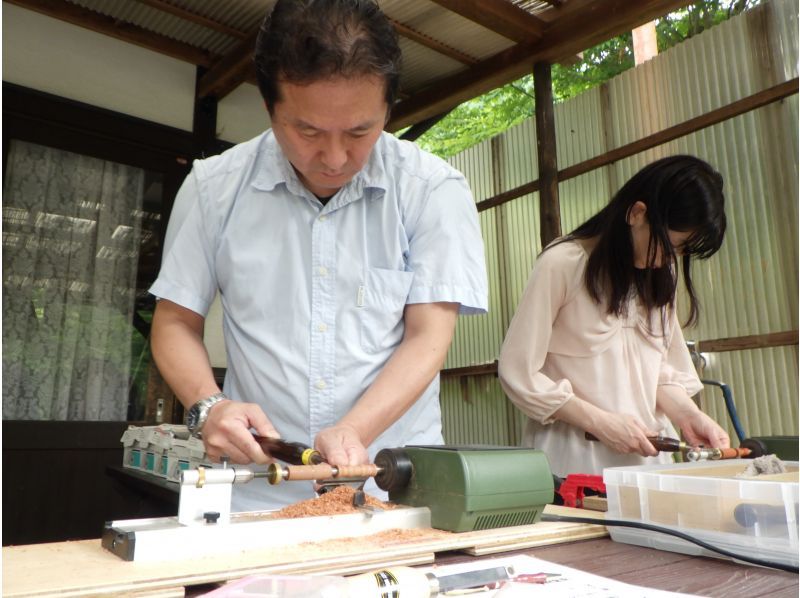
<point>334,502</point>
<point>762,466</point>
<point>389,538</point>
<point>393,537</point>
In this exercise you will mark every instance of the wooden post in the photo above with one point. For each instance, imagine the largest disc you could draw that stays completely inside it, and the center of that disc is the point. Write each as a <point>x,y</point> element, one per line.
<point>204,121</point>
<point>645,45</point>
<point>549,210</point>
<point>161,405</point>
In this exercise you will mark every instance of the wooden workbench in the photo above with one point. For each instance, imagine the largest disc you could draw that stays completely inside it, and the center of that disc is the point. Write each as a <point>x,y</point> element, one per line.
<point>83,568</point>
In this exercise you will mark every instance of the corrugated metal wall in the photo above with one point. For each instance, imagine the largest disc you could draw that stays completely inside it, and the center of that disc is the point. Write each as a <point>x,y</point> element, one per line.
<point>750,287</point>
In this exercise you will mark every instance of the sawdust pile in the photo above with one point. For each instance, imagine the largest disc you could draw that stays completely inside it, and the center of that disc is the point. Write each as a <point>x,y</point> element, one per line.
<point>334,502</point>
<point>762,466</point>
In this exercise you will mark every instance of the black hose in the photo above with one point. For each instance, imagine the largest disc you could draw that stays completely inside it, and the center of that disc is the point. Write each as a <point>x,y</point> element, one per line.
<point>671,532</point>
<point>730,405</point>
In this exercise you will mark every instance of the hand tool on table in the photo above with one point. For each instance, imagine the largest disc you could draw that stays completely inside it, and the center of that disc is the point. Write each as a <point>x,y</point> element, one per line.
<point>534,577</point>
<point>692,453</point>
<point>453,488</point>
<point>407,581</point>
<point>571,489</point>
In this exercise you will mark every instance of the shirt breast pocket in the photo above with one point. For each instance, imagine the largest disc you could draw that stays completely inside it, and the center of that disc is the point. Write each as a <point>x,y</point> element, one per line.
<point>383,299</point>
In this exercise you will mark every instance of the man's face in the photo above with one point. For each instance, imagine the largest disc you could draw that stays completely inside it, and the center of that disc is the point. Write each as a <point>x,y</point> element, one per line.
<point>327,128</point>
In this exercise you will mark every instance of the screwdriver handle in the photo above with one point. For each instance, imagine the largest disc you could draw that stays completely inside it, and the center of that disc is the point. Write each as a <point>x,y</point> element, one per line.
<point>294,453</point>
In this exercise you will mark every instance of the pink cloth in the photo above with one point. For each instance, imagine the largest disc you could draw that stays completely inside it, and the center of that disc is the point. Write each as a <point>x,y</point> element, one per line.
<point>561,344</point>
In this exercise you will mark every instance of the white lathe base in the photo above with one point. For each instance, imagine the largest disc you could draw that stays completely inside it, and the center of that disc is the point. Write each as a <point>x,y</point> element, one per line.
<point>164,538</point>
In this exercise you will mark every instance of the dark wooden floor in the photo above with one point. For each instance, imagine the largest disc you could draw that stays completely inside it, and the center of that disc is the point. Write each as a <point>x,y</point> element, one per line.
<point>662,570</point>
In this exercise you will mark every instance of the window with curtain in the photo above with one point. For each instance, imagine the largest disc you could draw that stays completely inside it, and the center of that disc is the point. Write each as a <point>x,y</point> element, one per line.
<point>74,230</point>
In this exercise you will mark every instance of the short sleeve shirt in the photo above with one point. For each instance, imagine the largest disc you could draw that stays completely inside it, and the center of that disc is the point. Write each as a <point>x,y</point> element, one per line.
<point>312,295</point>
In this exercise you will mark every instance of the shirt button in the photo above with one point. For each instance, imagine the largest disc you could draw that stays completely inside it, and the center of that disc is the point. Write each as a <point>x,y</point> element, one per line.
<point>322,327</point>
<point>323,271</point>
<point>321,384</point>
<point>323,218</point>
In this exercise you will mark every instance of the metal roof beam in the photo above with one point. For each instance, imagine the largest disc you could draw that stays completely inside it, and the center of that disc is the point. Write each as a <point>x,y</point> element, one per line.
<point>83,17</point>
<point>433,44</point>
<point>231,70</point>
<point>188,15</point>
<point>500,16</point>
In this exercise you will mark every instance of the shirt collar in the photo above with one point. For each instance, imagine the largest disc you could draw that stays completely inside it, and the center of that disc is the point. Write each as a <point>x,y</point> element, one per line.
<point>274,169</point>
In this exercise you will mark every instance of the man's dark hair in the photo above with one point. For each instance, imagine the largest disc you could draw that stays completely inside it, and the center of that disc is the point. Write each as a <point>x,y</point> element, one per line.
<point>303,41</point>
<point>683,194</point>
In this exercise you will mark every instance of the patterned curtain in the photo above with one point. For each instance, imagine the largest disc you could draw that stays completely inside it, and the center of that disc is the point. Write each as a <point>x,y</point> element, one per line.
<point>71,236</point>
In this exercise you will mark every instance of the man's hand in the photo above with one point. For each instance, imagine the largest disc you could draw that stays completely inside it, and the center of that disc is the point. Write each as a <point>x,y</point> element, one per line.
<point>341,445</point>
<point>227,432</point>
<point>177,341</point>
<point>624,434</point>
<point>415,362</point>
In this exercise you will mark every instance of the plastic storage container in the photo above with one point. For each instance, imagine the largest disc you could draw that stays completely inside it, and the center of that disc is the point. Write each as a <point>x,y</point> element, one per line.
<point>755,517</point>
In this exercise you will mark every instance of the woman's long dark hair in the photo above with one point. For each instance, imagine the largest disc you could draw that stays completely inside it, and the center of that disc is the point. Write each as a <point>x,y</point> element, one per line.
<point>682,194</point>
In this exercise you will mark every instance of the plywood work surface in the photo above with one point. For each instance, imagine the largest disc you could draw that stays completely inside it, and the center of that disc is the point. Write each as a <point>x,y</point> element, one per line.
<point>84,568</point>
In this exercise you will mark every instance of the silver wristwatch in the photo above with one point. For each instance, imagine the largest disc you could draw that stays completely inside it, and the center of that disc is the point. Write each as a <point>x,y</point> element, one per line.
<point>198,413</point>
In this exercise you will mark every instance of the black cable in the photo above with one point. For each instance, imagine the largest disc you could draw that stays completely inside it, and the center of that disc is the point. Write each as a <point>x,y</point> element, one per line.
<point>671,532</point>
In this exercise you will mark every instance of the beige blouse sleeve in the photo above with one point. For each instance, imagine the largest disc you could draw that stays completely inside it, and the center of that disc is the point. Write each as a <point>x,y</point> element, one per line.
<point>676,367</point>
<point>526,344</point>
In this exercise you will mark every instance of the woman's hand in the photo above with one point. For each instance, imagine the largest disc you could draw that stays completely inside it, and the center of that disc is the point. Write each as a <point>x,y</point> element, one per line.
<point>698,428</point>
<point>623,433</point>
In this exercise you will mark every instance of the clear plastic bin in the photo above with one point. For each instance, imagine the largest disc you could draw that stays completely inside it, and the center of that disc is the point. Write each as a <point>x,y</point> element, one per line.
<point>755,517</point>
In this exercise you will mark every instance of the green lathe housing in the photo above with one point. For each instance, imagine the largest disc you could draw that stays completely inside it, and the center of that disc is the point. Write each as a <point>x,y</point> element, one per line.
<point>469,488</point>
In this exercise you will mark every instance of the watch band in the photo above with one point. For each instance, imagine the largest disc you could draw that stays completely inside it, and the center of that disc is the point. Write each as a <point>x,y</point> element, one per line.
<point>198,413</point>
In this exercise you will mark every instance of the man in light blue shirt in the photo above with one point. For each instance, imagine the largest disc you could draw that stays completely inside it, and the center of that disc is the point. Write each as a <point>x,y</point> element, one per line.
<point>341,254</point>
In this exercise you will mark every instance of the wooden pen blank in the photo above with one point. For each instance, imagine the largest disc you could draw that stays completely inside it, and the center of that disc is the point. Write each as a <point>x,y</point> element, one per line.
<point>734,453</point>
<point>323,471</point>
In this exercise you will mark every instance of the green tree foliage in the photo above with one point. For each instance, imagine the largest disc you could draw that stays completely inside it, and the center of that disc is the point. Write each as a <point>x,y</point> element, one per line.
<point>494,112</point>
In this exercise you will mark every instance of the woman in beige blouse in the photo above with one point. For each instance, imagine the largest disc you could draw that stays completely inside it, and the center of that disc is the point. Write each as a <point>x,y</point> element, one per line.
<point>595,345</point>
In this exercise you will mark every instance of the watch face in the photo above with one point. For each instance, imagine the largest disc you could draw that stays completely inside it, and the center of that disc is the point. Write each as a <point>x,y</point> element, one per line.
<point>192,418</point>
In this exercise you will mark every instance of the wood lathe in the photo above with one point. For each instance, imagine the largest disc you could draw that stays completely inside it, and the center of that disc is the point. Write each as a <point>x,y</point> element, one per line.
<point>445,487</point>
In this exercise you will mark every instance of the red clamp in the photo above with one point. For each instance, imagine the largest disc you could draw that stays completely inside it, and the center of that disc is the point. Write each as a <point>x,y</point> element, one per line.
<point>571,489</point>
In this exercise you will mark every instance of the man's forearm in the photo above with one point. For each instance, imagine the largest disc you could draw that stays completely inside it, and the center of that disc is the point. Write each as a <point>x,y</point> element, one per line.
<point>179,352</point>
<point>412,367</point>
